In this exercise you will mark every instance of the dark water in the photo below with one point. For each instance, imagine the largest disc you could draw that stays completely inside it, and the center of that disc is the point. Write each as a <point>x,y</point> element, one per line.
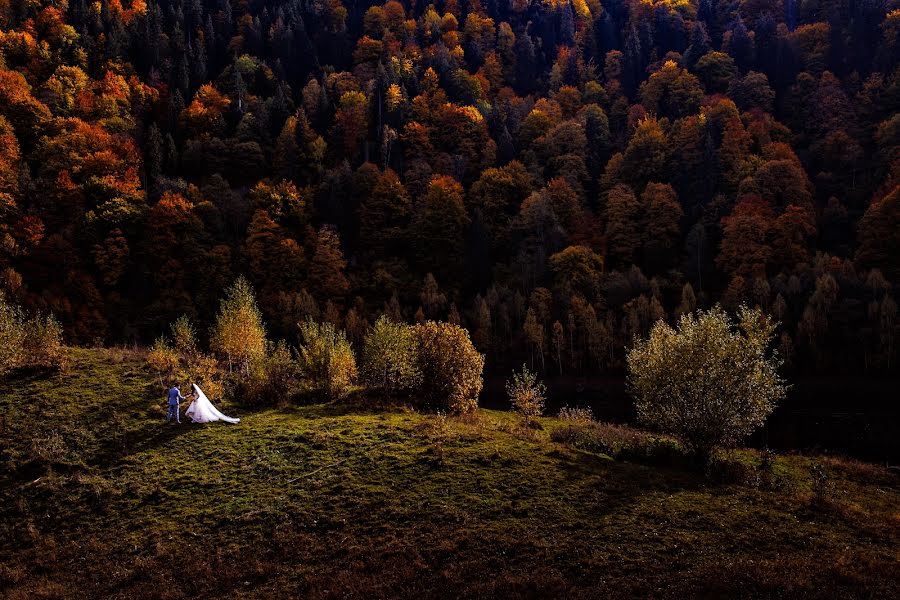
<point>852,416</point>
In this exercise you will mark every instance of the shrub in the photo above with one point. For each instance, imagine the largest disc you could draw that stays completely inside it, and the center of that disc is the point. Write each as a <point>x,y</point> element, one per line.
<point>185,338</point>
<point>439,434</point>
<point>280,370</point>
<point>708,382</point>
<point>43,343</point>
<point>390,357</point>
<point>204,371</point>
<point>821,484</point>
<point>766,469</point>
<point>12,335</point>
<point>576,414</point>
<point>36,342</point>
<point>49,450</point>
<point>617,441</point>
<point>450,366</point>
<point>730,469</point>
<point>183,361</point>
<point>239,333</point>
<point>270,379</point>
<point>163,359</point>
<point>192,364</point>
<point>526,394</point>
<point>326,358</point>
<point>602,437</point>
<point>767,460</point>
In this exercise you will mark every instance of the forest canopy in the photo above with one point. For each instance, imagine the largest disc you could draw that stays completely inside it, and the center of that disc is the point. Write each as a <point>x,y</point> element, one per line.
<point>554,175</point>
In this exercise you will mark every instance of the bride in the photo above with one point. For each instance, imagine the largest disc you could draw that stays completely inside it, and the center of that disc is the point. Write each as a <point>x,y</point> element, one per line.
<point>201,409</point>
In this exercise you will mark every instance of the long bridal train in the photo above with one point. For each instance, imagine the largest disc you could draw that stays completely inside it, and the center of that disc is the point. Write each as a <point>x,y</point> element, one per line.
<point>201,409</point>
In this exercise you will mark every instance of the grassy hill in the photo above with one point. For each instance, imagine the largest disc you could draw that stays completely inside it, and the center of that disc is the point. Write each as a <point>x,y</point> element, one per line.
<point>100,498</point>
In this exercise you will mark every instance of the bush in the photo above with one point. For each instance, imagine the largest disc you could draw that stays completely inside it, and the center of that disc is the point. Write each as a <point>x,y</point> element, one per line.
<point>192,364</point>
<point>185,338</point>
<point>599,437</point>
<point>270,379</point>
<point>617,441</point>
<point>184,362</point>
<point>390,357</point>
<point>326,359</point>
<point>280,370</point>
<point>450,366</point>
<point>526,394</point>
<point>821,484</point>
<point>36,342</point>
<point>12,335</point>
<point>204,371</point>
<point>708,383</point>
<point>43,343</point>
<point>730,468</point>
<point>577,414</point>
<point>49,450</point>
<point>265,379</point>
<point>163,359</point>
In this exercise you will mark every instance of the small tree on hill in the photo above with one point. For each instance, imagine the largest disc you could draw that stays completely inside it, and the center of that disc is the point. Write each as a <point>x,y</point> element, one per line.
<point>35,342</point>
<point>326,358</point>
<point>203,370</point>
<point>185,337</point>
<point>450,366</point>
<point>271,379</point>
<point>163,359</point>
<point>709,382</point>
<point>280,370</point>
<point>43,343</point>
<point>390,357</point>
<point>191,363</point>
<point>239,333</point>
<point>12,334</point>
<point>526,394</point>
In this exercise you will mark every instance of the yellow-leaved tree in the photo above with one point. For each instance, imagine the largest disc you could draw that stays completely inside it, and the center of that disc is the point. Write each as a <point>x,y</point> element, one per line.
<point>450,366</point>
<point>390,357</point>
<point>12,334</point>
<point>326,359</point>
<point>239,334</point>
<point>29,343</point>
<point>526,394</point>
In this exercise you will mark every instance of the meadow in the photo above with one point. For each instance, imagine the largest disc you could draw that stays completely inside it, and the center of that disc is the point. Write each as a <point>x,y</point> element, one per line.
<point>363,498</point>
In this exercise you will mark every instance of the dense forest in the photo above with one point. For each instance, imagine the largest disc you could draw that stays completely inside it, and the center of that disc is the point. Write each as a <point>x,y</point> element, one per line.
<point>554,175</point>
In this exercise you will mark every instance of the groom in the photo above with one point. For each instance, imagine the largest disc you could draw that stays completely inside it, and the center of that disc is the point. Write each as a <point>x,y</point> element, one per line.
<point>174,398</point>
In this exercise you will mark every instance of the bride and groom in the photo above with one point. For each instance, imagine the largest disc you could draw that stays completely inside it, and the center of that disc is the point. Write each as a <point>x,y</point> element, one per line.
<point>201,410</point>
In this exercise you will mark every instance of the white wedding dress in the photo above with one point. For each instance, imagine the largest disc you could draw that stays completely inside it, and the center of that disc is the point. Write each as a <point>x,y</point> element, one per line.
<point>201,409</point>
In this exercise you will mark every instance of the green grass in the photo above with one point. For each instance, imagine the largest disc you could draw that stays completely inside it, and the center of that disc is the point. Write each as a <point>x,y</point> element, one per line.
<point>100,498</point>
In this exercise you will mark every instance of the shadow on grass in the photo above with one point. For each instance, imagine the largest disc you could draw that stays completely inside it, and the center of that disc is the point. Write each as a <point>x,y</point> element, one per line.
<point>638,477</point>
<point>352,405</point>
<point>125,438</point>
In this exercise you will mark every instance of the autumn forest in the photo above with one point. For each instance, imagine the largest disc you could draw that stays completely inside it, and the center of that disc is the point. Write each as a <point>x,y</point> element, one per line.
<point>450,299</point>
<point>555,176</point>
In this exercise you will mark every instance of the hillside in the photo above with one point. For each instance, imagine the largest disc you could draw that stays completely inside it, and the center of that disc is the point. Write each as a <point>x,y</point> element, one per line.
<point>100,499</point>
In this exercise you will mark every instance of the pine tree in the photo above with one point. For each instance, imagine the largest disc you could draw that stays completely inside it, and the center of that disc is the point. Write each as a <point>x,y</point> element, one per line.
<point>153,161</point>
<point>623,225</point>
<point>384,216</point>
<point>326,268</point>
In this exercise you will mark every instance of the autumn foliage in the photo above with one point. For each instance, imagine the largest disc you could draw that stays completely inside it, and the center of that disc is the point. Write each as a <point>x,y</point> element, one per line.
<point>337,157</point>
<point>450,366</point>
